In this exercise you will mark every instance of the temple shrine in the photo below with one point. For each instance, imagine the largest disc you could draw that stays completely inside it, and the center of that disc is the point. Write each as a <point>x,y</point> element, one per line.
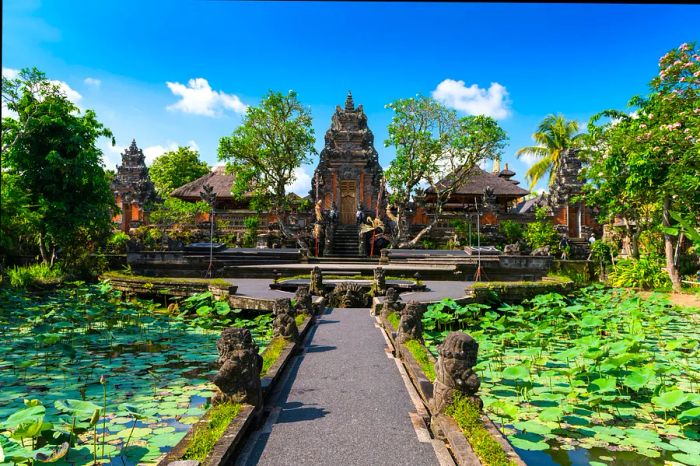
<point>133,189</point>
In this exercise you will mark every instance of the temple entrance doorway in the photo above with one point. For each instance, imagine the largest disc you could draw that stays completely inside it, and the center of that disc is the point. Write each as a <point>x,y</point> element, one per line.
<point>348,204</point>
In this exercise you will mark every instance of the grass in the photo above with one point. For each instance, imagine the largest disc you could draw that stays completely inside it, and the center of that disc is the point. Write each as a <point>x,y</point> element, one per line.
<point>420,353</point>
<point>300,318</point>
<point>394,320</point>
<point>164,280</point>
<point>468,416</point>
<point>35,275</point>
<point>272,353</point>
<point>205,437</point>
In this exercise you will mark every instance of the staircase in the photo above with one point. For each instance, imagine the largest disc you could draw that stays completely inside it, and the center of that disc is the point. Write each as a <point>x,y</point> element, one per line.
<point>346,241</point>
<point>580,248</point>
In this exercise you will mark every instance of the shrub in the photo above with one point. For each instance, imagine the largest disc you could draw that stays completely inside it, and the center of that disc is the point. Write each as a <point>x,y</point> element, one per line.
<point>512,231</point>
<point>646,272</point>
<point>33,275</point>
<point>542,233</point>
<point>117,243</point>
<point>251,225</point>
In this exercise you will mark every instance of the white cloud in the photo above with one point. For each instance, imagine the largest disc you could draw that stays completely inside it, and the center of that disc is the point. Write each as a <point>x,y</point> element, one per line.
<point>10,73</point>
<point>529,159</point>
<point>73,95</point>
<point>474,100</point>
<point>302,182</point>
<point>92,82</point>
<point>199,98</point>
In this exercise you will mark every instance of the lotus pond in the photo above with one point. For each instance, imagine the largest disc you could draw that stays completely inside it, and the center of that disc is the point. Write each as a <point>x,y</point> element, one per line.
<point>88,376</point>
<point>598,377</point>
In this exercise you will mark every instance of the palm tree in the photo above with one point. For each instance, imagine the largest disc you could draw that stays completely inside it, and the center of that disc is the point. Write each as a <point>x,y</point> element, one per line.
<point>554,136</point>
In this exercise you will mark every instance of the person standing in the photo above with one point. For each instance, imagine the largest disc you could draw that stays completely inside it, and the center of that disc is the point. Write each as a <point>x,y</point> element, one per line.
<point>359,216</point>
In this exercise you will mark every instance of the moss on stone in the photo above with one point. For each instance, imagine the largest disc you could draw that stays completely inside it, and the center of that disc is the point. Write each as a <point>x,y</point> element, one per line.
<point>272,353</point>
<point>205,436</point>
<point>421,355</point>
<point>394,320</point>
<point>164,280</point>
<point>468,417</point>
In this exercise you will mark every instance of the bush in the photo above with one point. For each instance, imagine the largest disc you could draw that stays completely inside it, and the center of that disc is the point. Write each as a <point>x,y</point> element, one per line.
<point>34,275</point>
<point>647,272</point>
<point>251,225</point>
<point>511,231</point>
<point>117,243</point>
<point>542,233</point>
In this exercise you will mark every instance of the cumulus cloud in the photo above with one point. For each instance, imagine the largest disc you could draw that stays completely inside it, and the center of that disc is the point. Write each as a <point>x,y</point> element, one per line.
<point>529,159</point>
<point>92,82</point>
<point>10,73</point>
<point>474,100</point>
<point>72,95</point>
<point>302,182</point>
<point>199,98</point>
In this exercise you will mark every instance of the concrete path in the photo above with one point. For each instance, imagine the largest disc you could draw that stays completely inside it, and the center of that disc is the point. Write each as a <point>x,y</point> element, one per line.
<point>258,288</point>
<point>343,402</point>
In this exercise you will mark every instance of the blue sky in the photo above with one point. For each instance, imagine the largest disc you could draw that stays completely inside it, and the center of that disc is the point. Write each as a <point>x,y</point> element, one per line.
<point>181,72</point>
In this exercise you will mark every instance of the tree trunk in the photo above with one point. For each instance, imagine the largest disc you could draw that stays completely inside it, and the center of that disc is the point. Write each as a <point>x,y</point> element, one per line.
<point>42,248</point>
<point>668,247</point>
<point>411,243</point>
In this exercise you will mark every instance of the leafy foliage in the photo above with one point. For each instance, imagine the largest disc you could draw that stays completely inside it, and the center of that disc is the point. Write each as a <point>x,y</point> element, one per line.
<point>647,272</point>
<point>435,148</point>
<point>511,231</point>
<point>176,168</point>
<point>204,438</point>
<point>273,140</point>
<point>55,170</point>
<point>541,232</point>
<point>34,275</point>
<point>554,136</point>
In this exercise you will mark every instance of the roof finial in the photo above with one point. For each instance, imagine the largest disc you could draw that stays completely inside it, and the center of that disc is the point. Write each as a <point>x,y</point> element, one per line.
<point>349,104</point>
<point>133,147</point>
<point>496,165</point>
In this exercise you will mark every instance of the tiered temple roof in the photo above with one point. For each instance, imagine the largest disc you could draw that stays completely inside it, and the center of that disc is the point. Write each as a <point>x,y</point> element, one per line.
<point>132,183</point>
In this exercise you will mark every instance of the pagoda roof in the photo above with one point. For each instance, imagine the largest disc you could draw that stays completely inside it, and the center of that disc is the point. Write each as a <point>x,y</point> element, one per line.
<point>479,179</point>
<point>221,181</point>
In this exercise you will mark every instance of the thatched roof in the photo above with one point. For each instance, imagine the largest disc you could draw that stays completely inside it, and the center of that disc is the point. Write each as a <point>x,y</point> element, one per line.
<point>217,178</point>
<point>479,179</point>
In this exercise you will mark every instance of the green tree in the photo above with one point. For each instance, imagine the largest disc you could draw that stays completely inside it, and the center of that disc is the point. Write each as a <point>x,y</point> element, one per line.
<point>541,233</point>
<point>176,168</point>
<point>646,164</point>
<point>50,155</point>
<point>273,140</point>
<point>554,136</point>
<point>436,149</point>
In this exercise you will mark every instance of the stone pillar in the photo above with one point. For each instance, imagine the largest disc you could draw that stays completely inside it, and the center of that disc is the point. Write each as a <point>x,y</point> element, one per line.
<point>379,282</point>
<point>238,379</point>
<point>410,326</point>
<point>284,324</point>
<point>454,371</point>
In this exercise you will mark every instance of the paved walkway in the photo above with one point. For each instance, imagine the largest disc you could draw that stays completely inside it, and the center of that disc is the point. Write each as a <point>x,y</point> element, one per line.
<point>343,402</point>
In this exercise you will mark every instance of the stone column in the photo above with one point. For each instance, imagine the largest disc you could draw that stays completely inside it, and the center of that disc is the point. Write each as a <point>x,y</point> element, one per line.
<point>454,371</point>
<point>238,379</point>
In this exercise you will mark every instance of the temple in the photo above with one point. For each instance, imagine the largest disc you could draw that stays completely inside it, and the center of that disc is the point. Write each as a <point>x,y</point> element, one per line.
<point>348,173</point>
<point>133,189</point>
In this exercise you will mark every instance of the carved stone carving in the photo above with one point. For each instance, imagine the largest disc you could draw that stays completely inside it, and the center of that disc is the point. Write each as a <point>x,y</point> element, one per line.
<point>348,294</point>
<point>543,251</point>
<point>392,303</point>
<point>284,324</point>
<point>238,379</point>
<point>410,326</point>
<point>316,282</point>
<point>454,370</point>
<point>303,301</point>
<point>512,249</point>
<point>379,282</point>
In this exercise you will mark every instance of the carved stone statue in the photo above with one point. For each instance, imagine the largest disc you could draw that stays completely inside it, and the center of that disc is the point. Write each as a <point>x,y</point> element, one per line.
<point>410,326</point>
<point>303,301</point>
<point>512,249</point>
<point>348,294</point>
<point>318,212</point>
<point>379,282</point>
<point>284,324</point>
<point>392,303</point>
<point>454,370</point>
<point>543,251</point>
<point>238,379</point>
<point>316,282</point>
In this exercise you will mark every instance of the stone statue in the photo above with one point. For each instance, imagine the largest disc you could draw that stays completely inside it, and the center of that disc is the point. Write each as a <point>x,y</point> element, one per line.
<point>348,294</point>
<point>316,282</point>
<point>238,379</point>
<point>392,303</point>
<point>512,249</point>
<point>454,370</point>
<point>318,212</point>
<point>410,326</point>
<point>379,282</point>
<point>303,301</point>
<point>284,324</point>
<point>543,251</point>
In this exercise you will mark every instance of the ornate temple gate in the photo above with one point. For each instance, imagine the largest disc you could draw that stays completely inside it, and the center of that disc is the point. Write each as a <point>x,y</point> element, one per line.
<point>348,202</point>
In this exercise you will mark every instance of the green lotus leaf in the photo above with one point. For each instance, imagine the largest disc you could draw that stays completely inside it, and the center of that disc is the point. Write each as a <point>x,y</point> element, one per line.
<point>691,414</point>
<point>553,414</point>
<point>639,378</point>
<point>528,442</point>
<point>25,416</point>
<point>519,372</point>
<point>603,385</point>
<point>78,408</point>
<point>502,409</point>
<point>685,458</point>
<point>670,399</point>
<point>169,439</point>
<point>691,447</point>
<point>533,427</point>
<point>139,432</point>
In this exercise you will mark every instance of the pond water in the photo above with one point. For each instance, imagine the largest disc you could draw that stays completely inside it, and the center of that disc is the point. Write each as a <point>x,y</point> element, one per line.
<point>602,377</point>
<point>57,346</point>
